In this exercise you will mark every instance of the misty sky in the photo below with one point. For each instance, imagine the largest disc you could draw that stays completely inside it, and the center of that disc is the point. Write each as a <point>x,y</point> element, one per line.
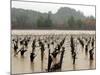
<point>45,7</point>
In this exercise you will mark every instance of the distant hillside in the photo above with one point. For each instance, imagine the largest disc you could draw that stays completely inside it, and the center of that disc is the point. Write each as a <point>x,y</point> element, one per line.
<point>64,18</point>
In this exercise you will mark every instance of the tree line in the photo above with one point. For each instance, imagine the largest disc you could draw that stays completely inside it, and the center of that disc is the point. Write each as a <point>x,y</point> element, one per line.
<point>29,19</point>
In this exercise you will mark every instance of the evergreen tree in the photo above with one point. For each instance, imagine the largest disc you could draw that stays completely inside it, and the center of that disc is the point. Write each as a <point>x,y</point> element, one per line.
<point>48,21</point>
<point>71,22</point>
<point>40,22</point>
<point>79,24</point>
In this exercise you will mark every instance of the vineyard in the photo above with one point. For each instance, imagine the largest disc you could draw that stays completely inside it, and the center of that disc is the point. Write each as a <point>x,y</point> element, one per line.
<point>52,52</point>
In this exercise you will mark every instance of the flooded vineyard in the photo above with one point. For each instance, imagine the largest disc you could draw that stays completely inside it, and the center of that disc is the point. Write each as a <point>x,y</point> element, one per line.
<point>46,51</point>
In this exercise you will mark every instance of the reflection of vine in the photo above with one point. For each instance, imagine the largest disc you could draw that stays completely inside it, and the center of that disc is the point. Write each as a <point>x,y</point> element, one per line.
<point>44,42</point>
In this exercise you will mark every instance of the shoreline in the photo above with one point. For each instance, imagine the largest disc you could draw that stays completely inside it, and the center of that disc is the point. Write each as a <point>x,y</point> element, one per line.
<point>44,32</point>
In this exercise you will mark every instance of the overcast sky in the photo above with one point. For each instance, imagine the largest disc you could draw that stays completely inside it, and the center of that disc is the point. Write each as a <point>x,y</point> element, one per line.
<point>45,7</point>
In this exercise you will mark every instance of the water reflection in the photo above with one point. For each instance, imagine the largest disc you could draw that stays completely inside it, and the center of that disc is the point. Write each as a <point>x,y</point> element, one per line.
<point>48,53</point>
<point>91,64</point>
<point>42,65</point>
<point>74,67</point>
<point>32,66</point>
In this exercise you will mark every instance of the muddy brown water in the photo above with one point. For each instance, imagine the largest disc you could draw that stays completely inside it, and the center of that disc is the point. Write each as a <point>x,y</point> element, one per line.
<point>23,65</point>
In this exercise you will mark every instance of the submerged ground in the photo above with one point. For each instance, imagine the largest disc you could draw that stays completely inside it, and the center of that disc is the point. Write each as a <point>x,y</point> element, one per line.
<point>82,59</point>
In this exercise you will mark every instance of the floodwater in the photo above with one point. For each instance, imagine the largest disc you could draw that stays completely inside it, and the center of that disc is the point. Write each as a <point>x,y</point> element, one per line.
<point>24,65</point>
